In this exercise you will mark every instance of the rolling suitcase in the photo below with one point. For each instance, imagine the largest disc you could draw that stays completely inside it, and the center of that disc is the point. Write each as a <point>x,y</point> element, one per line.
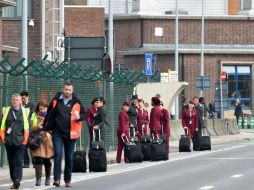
<point>79,160</point>
<point>158,149</point>
<point>97,155</point>
<point>184,143</point>
<point>205,141</point>
<point>132,149</point>
<point>145,142</point>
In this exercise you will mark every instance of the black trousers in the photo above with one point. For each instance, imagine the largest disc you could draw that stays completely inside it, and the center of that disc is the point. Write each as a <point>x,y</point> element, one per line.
<point>15,156</point>
<point>26,156</point>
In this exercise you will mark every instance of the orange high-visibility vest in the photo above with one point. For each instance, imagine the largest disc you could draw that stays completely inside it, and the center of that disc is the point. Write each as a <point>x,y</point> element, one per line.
<point>76,126</point>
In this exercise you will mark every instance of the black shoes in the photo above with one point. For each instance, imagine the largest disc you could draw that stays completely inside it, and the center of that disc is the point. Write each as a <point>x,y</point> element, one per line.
<point>16,184</point>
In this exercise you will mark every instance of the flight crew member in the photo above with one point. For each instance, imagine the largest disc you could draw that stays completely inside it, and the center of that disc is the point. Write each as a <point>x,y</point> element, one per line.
<point>165,124</point>
<point>122,130</point>
<point>142,119</point>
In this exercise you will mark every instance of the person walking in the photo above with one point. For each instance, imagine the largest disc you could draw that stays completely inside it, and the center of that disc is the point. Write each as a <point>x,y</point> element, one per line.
<point>165,124</point>
<point>41,155</point>
<point>122,130</point>
<point>142,119</point>
<point>100,118</point>
<point>26,104</point>
<point>190,120</point>
<point>133,114</point>
<point>89,117</point>
<point>238,110</point>
<point>155,117</point>
<point>64,119</point>
<point>14,133</point>
<point>200,108</point>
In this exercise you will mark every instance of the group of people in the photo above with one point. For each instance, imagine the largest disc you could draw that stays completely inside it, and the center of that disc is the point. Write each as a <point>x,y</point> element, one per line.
<point>134,121</point>
<point>193,119</point>
<point>59,125</point>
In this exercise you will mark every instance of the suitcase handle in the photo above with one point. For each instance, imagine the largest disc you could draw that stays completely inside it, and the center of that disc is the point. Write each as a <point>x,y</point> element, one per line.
<point>134,132</point>
<point>186,131</point>
<point>127,140</point>
<point>94,134</point>
<point>204,132</point>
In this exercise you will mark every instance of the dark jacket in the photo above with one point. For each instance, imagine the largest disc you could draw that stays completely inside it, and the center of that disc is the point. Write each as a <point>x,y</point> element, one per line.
<point>16,136</point>
<point>133,114</point>
<point>58,118</point>
<point>100,120</point>
<point>201,116</point>
<point>238,110</point>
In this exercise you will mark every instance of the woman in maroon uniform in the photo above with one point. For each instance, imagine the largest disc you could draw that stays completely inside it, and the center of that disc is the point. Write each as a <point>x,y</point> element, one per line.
<point>142,119</point>
<point>155,124</point>
<point>165,123</point>
<point>190,119</point>
<point>91,112</point>
<point>122,130</point>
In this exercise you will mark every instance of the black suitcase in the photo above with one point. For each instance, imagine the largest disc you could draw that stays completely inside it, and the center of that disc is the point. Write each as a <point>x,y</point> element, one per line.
<point>184,143</point>
<point>132,150</point>
<point>146,151</point>
<point>97,144</point>
<point>158,150</point>
<point>145,142</point>
<point>79,161</point>
<point>204,141</point>
<point>97,160</point>
<point>97,156</point>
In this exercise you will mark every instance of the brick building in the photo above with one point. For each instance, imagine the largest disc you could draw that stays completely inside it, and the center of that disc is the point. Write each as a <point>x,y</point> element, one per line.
<point>229,42</point>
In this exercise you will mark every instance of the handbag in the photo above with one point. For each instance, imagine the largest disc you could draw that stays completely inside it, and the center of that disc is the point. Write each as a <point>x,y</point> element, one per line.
<point>34,140</point>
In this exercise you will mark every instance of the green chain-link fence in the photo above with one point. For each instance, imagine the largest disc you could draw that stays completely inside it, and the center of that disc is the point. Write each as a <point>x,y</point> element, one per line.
<point>45,78</point>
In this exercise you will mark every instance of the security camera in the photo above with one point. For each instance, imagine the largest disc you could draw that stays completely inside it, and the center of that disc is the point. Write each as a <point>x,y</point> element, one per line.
<point>31,22</point>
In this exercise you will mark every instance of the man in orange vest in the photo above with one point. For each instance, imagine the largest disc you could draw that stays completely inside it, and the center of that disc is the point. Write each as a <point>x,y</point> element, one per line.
<point>64,119</point>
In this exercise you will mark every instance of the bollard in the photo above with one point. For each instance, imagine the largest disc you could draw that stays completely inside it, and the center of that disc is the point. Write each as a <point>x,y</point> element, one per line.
<point>245,124</point>
<point>239,124</point>
<point>252,122</point>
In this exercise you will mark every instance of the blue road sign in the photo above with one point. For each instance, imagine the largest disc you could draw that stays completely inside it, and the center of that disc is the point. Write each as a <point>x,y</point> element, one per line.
<point>149,63</point>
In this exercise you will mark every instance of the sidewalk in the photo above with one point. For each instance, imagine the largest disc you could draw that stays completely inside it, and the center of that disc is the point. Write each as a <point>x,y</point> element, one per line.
<point>29,173</point>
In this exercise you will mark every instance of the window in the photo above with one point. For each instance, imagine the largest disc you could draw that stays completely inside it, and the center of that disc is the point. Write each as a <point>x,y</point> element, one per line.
<point>239,85</point>
<point>16,12</point>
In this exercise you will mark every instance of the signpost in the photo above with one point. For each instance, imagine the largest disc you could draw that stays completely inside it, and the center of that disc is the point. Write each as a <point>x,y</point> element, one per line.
<point>203,82</point>
<point>223,75</point>
<point>149,64</point>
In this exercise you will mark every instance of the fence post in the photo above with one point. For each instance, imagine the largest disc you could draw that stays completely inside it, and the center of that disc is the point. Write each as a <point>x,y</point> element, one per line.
<point>252,122</point>
<point>245,122</point>
<point>4,101</point>
<point>239,124</point>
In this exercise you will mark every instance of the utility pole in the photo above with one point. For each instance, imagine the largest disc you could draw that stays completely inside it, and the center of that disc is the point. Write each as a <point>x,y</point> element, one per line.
<point>111,33</point>
<point>24,40</point>
<point>202,49</point>
<point>61,29</point>
<point>176,57</point>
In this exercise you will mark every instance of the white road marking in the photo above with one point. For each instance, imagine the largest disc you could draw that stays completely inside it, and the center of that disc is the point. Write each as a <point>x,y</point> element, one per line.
<point>230,158</point>
<point>206,187</point>
<point>237,175</point>
<point>78,178</point>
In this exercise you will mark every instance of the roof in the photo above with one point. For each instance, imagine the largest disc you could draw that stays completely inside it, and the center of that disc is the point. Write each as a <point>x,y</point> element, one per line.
<point>7,3</point>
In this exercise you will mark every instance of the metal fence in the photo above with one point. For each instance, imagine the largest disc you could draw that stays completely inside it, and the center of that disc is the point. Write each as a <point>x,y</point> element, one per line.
<point>45,78</point>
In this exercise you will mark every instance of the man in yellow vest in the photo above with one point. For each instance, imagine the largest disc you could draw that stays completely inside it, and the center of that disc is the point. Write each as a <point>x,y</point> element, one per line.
<point>64,119</point>
<point>14,133</point>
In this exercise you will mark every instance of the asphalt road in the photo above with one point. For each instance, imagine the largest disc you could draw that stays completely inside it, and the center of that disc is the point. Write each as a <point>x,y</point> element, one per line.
<point>226,167</point>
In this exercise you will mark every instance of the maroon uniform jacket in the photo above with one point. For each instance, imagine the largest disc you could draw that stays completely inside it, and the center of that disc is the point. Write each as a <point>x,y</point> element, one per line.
<point>190,120</point>
<point>90,120</point>
<point>123,123</point>
<point>155,124</point>
<point>165,122</point>
<point>142,119</point>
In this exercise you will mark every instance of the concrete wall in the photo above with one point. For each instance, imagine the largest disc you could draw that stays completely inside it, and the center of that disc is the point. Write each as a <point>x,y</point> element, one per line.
<point>215,127</point>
